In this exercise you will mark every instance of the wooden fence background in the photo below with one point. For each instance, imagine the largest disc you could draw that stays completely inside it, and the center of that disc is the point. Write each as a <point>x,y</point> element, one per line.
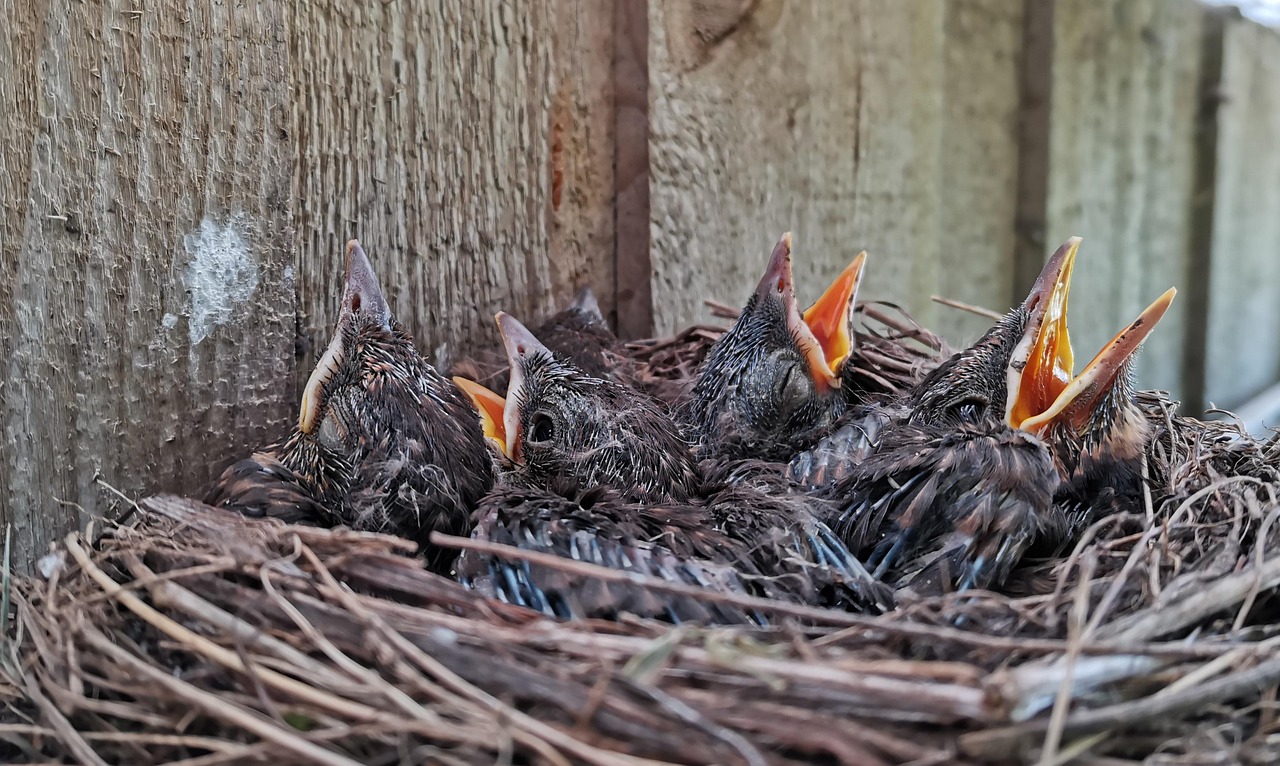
<point>177,180</point>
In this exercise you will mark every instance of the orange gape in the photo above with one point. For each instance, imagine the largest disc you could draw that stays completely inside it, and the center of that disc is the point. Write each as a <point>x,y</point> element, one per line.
<point>828,318</point>
<point>491,407</point>
<point>1050,366</point>
<point>1074,403</point>
<point>1046,389</point>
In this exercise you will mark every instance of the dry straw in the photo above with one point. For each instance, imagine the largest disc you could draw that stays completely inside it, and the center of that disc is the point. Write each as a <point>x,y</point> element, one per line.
<point>195,636</point>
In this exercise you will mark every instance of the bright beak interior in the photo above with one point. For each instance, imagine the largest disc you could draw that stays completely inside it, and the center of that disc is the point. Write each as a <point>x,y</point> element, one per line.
<point>830,319</point>
<point>492,408</point>
<point>1086,391</point>
<point>778,284</point>
<point>1042,362</point>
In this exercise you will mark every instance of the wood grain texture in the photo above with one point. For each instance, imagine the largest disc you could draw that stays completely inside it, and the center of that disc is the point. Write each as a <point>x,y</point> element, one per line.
<point>1121,163</point>
<point>444,137</point>
<point>1244,313</point>
<point>147,321</point>
<point>979,164</point>
<point>824,118</point>
<point>632,200</point>
<point>581,192</point>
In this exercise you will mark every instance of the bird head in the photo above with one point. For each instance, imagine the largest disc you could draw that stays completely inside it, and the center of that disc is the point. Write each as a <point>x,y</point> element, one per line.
<point>776,372</point>
<point>1089,412</point>
<point>584,310</point>
<point>364,334</point>
<point>558,422</point>
<point>1021,373</point>
<point>408,436</point>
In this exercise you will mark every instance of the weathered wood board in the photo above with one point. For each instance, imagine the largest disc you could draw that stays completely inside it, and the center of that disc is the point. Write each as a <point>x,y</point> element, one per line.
<point>823,118</point>
<point>178,184</point>
<point>1243,343</point>
<point>1121,157</point>
<point>978,179</point>
<point>455,143</point>
<point>147,320</point>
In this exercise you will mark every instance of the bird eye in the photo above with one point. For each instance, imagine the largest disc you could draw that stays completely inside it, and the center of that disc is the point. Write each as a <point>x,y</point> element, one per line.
<point>541,429</point>
<point>794,388</point>
<point>331,432</point>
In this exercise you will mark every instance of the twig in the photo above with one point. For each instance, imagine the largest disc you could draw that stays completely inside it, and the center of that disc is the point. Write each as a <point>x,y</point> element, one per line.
<point>1075,637</point>
<point>853,624</point>
<point>979,310</point>
<point>60,724</point>
<point>460,686</point>
<point>683,712</point>
<point>218,654</point>
<point>1003,740</point>
<point>217,707</point>
<point>1213,597</point>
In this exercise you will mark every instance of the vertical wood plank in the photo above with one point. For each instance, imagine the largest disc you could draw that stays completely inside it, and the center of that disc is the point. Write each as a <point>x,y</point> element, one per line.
<point>1244,314</point>
<point>979,174</point>
<point>631,163</point>
<point>824,118</point>
<point>1121,162</point>
<point>1195,294</point>
<point>147,320</point>
<point>434,133</point>
<point>582,187</point>
<point>1035,110</point>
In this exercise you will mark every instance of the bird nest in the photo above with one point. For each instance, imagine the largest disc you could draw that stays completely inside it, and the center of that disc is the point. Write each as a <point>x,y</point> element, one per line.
<point>190,634</point>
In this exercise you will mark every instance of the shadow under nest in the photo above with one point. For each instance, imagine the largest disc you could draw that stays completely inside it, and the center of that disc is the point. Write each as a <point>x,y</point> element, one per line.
<point>190,634</point>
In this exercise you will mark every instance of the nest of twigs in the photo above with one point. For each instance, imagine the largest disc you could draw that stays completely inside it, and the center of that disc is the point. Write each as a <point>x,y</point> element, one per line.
<point>192,635</point>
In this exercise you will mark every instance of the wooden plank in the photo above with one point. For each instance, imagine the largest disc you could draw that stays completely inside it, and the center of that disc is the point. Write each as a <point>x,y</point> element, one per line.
<point>981,154</point>
<point>147,320</point>
<point>582,241</point>
<point>1125,97</point>
<point>434,133</point>
<point>1244,315</point>
<point>824,118</point>
<point>631,162</point>
<point>1195,294</point>
<point>1035,110</point>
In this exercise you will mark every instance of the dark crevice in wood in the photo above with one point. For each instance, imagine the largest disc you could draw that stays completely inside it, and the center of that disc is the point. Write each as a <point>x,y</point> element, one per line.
<point>1035,109</point>
<point>1200,239</point>
<point>634,270</point>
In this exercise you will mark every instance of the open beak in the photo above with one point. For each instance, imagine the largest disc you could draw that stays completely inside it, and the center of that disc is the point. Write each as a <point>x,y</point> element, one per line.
<point>519,344</point>
<point>361,294</point>
<point>492,410</point>
<point>778,285</point>
<point>1086,391</point>
<point>830,319</point>
<point>1042,363</point>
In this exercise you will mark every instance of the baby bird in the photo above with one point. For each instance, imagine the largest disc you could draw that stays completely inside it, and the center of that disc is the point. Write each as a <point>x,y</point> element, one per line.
<point>1001,445</point>
<point>559,424</point>
<point>383,442</point>
<point>771,385</point>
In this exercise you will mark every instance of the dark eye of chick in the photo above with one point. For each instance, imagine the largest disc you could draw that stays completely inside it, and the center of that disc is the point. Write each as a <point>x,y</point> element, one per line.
<point>542,429</point>
<point>794,388</point>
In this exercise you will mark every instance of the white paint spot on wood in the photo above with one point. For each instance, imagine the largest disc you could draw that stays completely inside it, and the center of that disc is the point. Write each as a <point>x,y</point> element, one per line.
<point>169,321</point>
<point>221,274</point>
